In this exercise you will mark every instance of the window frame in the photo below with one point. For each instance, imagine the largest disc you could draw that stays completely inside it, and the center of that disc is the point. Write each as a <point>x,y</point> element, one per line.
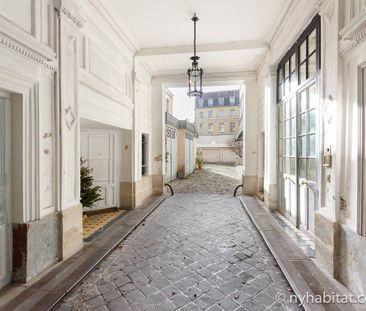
<point>144,154</point>
<point>201,114</point>
<point>222,128</point>
<point>232,129</point>
<point>210,114</point>
<point>210,128</point>
<point>210,102</point>
<point>295,74</point>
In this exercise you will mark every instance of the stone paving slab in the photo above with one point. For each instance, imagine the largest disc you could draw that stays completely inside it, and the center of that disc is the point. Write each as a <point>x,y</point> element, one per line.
<point>302,273</point>
<point>195,252</point>
<point>47,291</point>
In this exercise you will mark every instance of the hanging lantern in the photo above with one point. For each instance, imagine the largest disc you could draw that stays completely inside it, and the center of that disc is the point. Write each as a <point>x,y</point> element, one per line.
<point>194,73</point>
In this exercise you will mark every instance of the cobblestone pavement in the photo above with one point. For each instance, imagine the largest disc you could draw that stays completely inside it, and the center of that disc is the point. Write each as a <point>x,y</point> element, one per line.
<point>195,252</point>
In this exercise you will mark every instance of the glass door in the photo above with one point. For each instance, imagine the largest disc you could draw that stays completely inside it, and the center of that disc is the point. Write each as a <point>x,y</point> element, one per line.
<point>307,154</point>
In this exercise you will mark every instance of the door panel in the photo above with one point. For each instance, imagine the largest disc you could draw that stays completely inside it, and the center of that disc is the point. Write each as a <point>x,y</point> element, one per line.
<point>5,193</point>
<point>99,148</point>
<point>297,119</point>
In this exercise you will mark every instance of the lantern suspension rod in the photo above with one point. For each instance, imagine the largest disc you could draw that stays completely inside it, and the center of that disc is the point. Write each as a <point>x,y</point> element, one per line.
<point>194,19</point>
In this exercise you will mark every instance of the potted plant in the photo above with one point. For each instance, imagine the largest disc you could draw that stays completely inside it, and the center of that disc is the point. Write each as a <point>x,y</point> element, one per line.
<point>89,194</point>
<point>199,159</point>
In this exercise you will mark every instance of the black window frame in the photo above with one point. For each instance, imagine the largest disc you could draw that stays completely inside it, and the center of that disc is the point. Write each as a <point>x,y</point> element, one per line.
<point>294,71</point>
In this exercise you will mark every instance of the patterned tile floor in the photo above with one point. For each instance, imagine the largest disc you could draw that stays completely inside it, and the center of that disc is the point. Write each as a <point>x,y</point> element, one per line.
<point>93,223</point>
<point>197,251</point>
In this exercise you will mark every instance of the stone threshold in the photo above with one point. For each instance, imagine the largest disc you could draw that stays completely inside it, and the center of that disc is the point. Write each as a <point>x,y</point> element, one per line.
<point>302,273</point>
<point>50,289</point>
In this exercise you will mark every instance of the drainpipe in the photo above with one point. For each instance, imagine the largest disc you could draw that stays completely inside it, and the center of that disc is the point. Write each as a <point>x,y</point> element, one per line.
<point>133,143</point>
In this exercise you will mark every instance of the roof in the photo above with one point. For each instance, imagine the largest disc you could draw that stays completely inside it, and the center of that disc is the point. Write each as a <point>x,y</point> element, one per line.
<point>203,102</point>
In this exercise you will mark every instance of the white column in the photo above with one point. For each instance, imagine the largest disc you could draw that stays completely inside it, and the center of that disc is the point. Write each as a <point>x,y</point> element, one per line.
<point>250,137</point>
<point>270,160</point>
<point>158,138</point>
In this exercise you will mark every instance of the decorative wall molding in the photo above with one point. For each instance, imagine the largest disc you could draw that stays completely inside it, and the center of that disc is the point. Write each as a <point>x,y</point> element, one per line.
<point>70,10</point>
<point>19,48</point>
<point>75,19</point>
<point>352,34</point>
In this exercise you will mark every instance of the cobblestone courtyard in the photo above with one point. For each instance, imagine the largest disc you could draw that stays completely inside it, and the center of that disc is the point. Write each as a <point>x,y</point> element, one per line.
<point>197,251</point>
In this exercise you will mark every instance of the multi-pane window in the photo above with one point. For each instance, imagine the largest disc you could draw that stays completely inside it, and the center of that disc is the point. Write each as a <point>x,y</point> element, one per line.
<point>200,102</point>
<point>232,100</point>
<point>210,102</point>
<point>201,114</point>
<point>221,128</point>
<point>201,128</point>
<point>232,127</point>
<point>144,153</point>
<point>301,62</point>
<point>221,114</point>
<point>210,114</point>
<point>221,101</point>
<point>210,127</point>
<point>232,113</point>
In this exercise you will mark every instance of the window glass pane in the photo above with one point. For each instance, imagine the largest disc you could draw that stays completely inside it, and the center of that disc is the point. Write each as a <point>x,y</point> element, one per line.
<point>311,169</point>
<point>287,128</point>
<point>288,146</point>
<point>293,127</point>
<point>312,121</point>
<point>287,109</point>
<point>312,41</point>
<point>302,146</point>
<point>293,62</point>
<point>287,165</point>
<point>312,65</point>
<point>313,96</point>
<point>293,107</point>
<point>303,51</point>
<point>303,72</point>
<point>280,75</point>
<point>287,69</point>
<point>293,166</point>
<point>302,168</point>
<point>312,145</point>
<point>303,98</point>
<point>303,123</point>
<point>293,146</point>
<point>287,86</point>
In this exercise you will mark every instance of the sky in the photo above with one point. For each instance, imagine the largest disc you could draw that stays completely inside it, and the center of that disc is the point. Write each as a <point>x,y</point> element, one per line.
<point>183,106</point>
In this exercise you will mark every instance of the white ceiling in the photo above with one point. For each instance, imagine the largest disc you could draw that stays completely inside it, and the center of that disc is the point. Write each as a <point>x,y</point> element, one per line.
<point>166,23</point>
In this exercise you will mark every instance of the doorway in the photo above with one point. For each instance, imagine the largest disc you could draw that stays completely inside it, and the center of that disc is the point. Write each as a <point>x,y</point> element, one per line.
<point>5,190</point>
<point>298,111</point>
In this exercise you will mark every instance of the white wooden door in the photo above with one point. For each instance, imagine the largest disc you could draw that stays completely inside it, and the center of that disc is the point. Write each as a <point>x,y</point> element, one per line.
<point>99,148</point>
<point>171,157</point>
<point>5,192</point>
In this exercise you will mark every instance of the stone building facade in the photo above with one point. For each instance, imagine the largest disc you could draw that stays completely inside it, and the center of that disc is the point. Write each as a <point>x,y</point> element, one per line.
<point>218,118</point>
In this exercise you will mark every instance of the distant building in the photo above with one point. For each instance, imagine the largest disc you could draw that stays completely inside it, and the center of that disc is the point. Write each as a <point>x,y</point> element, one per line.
<point>217,118</point>
<point>180,144</point>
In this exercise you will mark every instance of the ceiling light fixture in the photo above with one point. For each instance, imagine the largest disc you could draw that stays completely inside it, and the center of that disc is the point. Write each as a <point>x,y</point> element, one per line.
<point>194,73</point>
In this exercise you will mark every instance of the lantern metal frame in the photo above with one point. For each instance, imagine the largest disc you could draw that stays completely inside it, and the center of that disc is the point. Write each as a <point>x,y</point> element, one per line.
<point>195,73</point>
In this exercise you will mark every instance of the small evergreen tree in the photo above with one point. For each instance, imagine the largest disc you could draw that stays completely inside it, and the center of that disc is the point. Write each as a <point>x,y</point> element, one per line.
<point>89,194</point>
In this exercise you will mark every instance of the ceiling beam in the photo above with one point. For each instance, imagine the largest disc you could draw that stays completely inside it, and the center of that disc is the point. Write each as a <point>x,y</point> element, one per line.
<point>212,47</point>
